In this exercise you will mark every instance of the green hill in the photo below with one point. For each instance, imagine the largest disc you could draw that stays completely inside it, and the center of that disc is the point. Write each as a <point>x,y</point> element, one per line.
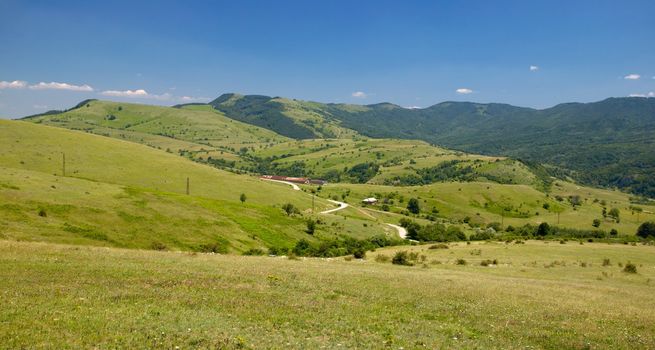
<point>206,135</point>
<point>195,131</point>
<point>124,194</point>
<point>292,118</point>
<point>607,143</point>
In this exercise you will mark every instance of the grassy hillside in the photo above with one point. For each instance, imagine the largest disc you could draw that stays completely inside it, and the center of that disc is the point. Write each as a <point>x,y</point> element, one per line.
<point>606,143</point>
<point>123,194</point>
<point>481,203</point>
<point>292,118</point>
<point>201,133</point>
<point>195,131</point>
<point>538,295</point>
<point>388,161</point>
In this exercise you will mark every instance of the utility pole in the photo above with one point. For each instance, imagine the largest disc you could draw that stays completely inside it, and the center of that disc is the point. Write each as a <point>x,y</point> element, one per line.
<point>63,164</point>
<point>187,186</point>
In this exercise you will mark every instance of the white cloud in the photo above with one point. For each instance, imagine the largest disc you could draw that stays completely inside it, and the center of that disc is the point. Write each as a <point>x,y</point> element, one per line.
<point>464,91</point>
<point>60,86</point>
<point>650,94</point>
<point>359,94</point>
<point>16,84</point>
<point>126,93</point>
<point>413,107</point>
<point>534,68</point>
<point>632,77</point>
<point>192,99</point>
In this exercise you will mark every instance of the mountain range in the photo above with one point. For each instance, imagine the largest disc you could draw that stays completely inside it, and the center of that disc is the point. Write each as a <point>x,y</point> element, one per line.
<point>609,143</point>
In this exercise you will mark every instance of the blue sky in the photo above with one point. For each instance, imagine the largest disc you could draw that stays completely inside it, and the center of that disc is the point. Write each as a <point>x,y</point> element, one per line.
<point>412,53</point>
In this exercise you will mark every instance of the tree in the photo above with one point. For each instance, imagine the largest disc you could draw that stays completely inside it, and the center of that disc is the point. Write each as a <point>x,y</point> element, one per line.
<point>311,226</point>
<point>575,200</point>
<point>614,213</point>
<point>243,198</point>
<point>289,208</point>
<point>596,223</point>
<point>543,229</point>
<point>413,206</point>
<point>647,229</point>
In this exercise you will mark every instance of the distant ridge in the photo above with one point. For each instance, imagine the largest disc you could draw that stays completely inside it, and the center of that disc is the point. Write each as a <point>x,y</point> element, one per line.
<point>606,143</point>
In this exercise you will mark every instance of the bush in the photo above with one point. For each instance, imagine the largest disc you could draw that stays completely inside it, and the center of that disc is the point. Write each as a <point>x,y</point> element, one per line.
<point>402,258</point>
<point>543,229</point>
<point>278,251</point>
<point>438,246</point>
<point>157,246</point>
<point>42,213</point>
<point>381,258</point>
<point>606,262</point>
<point>646,229</point>
<point>630,268</point>
<point>216,247</point>
<point>460,262</point>
<point>290,209</point>
<point>311,226</point>
<point>595,223</point>
<point>254,251</point>
<point>359,254</point>
<point>413,206</point>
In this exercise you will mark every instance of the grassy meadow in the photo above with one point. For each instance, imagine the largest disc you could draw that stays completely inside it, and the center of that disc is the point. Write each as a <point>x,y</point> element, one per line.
<point>539,295</point>
<point>122,194</point>
<point>517,205</point>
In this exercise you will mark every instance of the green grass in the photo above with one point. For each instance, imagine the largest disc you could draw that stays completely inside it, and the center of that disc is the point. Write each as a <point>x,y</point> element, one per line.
<point>397,157</point>
<point>122,194</point>
<point>58,296</point>
<point>197,131</point>
<point>485,203</point>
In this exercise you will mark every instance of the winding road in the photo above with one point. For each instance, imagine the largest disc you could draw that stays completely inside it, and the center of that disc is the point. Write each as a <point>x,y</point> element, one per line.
<point>342,205</point>
<point>402,232</point>
<point>294,186</point>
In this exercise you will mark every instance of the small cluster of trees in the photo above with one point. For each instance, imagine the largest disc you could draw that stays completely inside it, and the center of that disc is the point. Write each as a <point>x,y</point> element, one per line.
<point>336,247</point>
<point>432,232</point>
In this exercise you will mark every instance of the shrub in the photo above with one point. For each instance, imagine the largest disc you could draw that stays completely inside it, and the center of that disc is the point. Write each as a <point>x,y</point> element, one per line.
<point>646,229</point>
<point>359,254</point>
<point>606,262</point>
<point>595,223</point>
<point>290,209</point>
<point>413,206</point>
<point>381,258</point>
<point>630,268</point>
<point>278,251</point>
<point>254,251</point>
<point>311,226</point>
<point>614,232</point>
<point>438,246</point>
<point>42,213</point>
<point>216,247</point>
<point>543,229</point>
<point>402,258</point>
<point>460,262</point>
<point>385,207</point>
<point>157,246</point>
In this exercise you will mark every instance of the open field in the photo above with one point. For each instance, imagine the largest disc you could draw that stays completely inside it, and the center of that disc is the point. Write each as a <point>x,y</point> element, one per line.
<point>122,194</point>
<point>540,295</point>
